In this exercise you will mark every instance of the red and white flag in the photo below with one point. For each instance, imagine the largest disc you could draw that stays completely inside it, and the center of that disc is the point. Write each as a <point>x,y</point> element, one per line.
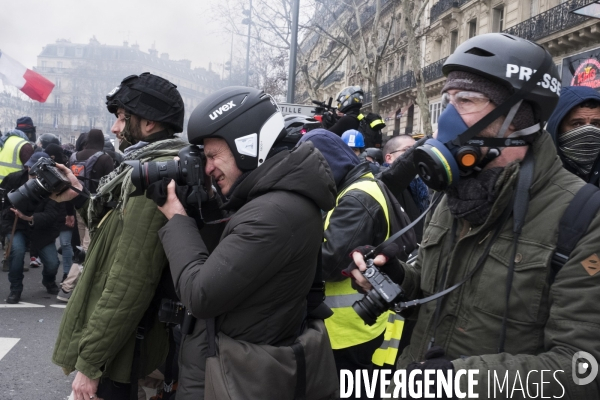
<point>31,83</point>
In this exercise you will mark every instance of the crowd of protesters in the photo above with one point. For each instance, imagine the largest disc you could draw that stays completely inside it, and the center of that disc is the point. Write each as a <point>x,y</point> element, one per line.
<point>270,248</point>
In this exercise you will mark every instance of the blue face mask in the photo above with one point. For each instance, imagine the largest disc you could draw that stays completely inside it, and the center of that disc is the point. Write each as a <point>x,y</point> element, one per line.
<point>450,125</point>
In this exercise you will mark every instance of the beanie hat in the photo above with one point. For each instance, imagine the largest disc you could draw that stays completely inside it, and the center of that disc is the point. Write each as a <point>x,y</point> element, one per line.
<point>339,156</point>
<point>54,150</point>
<point>497,94</point>
<point>95,140</point>
<point>24,123</point>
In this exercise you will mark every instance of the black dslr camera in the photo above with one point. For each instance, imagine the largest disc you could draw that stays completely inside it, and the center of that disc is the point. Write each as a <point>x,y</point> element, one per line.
<point>188,170</point>
<point>48,180</point>
<point>384,295</point>
<point>171,312</point>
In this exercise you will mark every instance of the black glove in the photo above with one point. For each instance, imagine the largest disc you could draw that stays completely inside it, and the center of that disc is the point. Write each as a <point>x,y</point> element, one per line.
<point>329,119</point>
<point>435,359</point>
<point>399,175</point>
<point>158,192</point>
<point>392,268</point>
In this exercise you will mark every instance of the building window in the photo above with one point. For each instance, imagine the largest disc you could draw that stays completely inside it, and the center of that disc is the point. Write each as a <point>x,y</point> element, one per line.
<point>402,65</point>
<point>44,65</point>
<point>437,49</point>
<point>60,51</point>
<point>55,120</point>
<point>472,28</point>
<point>435,109</point>
<point>59,65</point>
<point>390,70</point>
<point>57,101</point>
<point>453,40</point>
<point>533,8</point>
<point>498,21</point>
<point>58,83</point>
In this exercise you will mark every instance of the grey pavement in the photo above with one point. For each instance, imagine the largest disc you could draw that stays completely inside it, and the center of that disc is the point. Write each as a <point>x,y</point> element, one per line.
<point>26,370</point>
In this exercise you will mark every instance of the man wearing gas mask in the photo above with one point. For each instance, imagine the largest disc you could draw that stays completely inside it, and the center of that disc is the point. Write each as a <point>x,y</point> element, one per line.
<point>575,129</point>
<point>490,241</point>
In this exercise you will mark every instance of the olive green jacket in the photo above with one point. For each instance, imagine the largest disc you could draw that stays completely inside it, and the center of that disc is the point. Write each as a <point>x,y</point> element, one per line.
<point>122,270</point>
<point>547,323</point>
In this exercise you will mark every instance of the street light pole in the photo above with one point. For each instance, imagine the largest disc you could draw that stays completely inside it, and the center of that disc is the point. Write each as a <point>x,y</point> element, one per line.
<point>293,51</point>
<point>248,48</point>
<point>231,60</point>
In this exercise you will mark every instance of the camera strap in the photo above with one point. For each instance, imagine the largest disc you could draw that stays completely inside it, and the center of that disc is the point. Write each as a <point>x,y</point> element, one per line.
<point>412,303</point>
<point>408,227</point>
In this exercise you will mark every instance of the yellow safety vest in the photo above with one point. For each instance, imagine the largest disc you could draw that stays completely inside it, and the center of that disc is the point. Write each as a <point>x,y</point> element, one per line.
<point>345,327</point>
<point>9,156</point>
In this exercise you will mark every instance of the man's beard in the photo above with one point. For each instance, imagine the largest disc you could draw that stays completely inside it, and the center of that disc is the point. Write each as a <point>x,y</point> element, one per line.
<point>131,133</point>
<point>135,130</point>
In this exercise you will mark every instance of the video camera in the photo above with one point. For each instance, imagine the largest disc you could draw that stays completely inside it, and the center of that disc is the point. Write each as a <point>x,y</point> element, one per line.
<point>188,170</point>
<point>384,296</point>
<point>48,179</point>
<point>322,107</point>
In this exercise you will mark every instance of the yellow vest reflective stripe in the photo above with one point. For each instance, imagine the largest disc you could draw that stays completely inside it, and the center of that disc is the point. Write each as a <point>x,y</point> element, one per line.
<point>345,327</point>
<point>388,351</point>
<point>375,124</point>
<point>9,156</point>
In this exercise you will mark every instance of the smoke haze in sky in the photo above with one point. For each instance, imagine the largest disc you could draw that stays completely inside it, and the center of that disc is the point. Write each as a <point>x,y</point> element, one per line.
<point>183,28</point>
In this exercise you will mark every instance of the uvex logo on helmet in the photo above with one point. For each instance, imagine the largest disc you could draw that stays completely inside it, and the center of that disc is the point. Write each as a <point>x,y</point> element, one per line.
<point>219,111</point>
<point>547,82</point>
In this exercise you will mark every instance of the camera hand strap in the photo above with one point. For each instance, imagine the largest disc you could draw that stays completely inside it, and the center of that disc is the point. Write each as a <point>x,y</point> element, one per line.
<point>401,232</point>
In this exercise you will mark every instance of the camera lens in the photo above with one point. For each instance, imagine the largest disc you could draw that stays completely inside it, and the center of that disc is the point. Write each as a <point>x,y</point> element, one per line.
<point>143,175</point>
<point>370,307</point>
<point>27,197</point>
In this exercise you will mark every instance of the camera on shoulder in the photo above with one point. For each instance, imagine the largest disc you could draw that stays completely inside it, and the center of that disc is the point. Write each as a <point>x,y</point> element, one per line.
<point>48,179</point>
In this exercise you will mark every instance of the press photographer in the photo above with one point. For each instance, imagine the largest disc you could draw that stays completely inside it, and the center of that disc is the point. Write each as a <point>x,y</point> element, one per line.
<point>110,324</point>
<point>36,222</point>
<point>253,287</point>
<point>512,305</point>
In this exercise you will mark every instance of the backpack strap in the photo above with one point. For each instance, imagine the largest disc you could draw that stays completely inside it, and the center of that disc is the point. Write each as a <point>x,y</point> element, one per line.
<point>574,224</point>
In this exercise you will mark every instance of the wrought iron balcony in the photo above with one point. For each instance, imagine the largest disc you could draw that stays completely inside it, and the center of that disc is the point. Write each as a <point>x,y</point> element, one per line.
<point>335,76</point>
<point>442,6</point>
<point>555,19</point>
<point>399,84</point>
<point>433,71</point>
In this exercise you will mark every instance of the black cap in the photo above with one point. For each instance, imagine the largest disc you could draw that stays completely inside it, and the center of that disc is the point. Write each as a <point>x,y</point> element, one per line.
<point>150,97</point>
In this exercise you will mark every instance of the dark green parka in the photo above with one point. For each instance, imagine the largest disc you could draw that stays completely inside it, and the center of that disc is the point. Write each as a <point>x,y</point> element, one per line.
<point>547,323</point>
<point>122,270</point>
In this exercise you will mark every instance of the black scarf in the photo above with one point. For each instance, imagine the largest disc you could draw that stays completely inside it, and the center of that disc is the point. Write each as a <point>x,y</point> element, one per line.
<point>580,148</point>
<point>472,198</point>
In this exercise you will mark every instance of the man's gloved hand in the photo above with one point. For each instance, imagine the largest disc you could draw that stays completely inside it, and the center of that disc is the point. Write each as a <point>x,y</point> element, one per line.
<point>329,119</point>
<point>386,261</point>
<point>158,193</point>
<point>402,171</point>
<point>435,359</point>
